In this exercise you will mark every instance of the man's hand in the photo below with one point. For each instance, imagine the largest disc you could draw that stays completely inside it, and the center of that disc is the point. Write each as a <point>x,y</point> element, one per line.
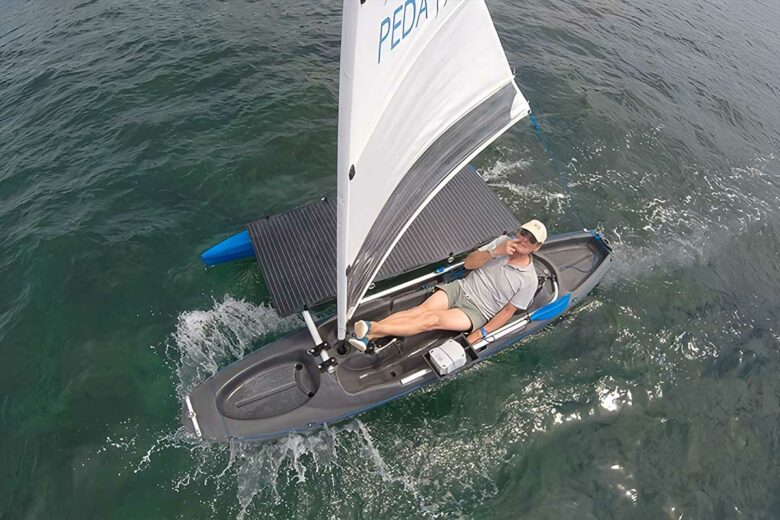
<point>474,337</point>
<point>507,248</point>
<point>478,258</point>
<point>494,323</point>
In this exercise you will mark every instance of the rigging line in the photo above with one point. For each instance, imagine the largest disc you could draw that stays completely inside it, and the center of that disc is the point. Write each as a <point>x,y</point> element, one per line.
<point>556,166</point>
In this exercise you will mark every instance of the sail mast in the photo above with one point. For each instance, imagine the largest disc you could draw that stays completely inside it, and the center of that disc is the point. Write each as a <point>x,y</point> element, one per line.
<point>345,157</point>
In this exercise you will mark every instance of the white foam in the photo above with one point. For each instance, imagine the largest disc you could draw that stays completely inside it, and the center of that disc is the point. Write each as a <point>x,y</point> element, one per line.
<point>554,202</point>
<point>259,466</point>
<point>205,340</point>
<point>611,397</point>
<point>501,169</point>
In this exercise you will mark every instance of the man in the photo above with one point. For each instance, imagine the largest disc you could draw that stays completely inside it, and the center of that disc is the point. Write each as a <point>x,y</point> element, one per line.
<point>502,280</point>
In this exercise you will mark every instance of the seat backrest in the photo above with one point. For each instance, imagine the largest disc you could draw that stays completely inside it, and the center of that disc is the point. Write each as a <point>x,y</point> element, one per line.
<point>545,271</point>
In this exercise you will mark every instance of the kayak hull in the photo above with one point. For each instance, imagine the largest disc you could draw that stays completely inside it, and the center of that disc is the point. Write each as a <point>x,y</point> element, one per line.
<point>280,388</point>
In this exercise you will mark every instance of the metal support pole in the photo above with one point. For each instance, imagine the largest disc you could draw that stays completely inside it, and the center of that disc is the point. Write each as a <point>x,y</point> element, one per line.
<point>438,272</point>
<point>315,335</point>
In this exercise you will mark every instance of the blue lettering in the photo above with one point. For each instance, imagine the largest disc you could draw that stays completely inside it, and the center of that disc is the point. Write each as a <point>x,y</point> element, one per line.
<point>383,36</point>
<point>414,13</point>
<point>423,9</point>
<point>406,17</point>
<point>396,25</point>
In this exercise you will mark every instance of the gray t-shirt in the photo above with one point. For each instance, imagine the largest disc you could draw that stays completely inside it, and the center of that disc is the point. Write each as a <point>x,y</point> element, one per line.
<point>497,283</point>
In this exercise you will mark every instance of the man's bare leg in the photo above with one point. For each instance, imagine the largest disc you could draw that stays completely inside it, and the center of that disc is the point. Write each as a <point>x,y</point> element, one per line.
<point>452,319</point>
<point>436,302</point>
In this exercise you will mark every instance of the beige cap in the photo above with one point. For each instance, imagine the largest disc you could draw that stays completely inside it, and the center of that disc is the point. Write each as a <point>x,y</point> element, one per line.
<point>537,229</point>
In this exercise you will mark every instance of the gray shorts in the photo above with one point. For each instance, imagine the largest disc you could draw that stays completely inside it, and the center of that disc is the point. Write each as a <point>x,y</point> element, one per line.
<point>457,299</point>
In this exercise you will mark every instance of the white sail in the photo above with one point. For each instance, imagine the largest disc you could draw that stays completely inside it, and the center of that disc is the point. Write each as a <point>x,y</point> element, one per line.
<point>424,86</point>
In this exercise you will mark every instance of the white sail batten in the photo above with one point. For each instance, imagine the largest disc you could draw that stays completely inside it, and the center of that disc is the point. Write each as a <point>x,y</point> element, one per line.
<point>424,86</point>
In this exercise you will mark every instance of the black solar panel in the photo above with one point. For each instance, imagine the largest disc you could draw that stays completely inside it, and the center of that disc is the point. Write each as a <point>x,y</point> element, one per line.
<point>465,213</point>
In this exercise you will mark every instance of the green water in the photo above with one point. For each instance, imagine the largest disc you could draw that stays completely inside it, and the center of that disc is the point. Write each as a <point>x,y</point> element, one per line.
<point>133,135</point>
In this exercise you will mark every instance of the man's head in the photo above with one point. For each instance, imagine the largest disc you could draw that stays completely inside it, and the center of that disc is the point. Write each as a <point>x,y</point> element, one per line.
<point>532,234</point>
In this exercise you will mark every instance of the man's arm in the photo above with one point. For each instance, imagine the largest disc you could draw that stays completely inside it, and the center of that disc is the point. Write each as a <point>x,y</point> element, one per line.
<point>480,257</point>
<point>477,259</point>
<point>495,323</point>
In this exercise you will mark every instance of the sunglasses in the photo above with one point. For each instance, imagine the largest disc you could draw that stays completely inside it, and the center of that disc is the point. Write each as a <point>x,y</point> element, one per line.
<point>530,236</point>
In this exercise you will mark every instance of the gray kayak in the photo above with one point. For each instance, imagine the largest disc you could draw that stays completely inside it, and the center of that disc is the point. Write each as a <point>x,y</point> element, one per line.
<point>286,386</point>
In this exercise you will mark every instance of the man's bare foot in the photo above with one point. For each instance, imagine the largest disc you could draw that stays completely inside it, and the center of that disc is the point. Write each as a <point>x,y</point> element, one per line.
<point>362,328</point>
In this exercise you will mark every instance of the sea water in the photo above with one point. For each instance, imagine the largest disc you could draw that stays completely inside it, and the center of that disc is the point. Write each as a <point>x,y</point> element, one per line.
<point>134,135</point>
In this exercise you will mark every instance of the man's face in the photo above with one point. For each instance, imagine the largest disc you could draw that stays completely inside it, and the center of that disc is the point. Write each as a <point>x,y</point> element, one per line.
<point>525,242</point>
